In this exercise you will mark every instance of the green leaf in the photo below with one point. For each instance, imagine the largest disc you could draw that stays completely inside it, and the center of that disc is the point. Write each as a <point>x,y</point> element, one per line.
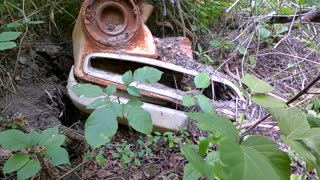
<point>203,146</point>
<point>302,151</point>
<point>14,25</point>
<point>34,137</point>
<point>189,173</point>
<point>111,89</point>
<point>244,163</point>
<point>267,101</point>
<point>99,103</point>
<point>256,85</point>
<point>133,91</point>
<point>58,155</point>
<point>139,119</point>
<point>205,104</point>
<point>312,140</point>
<point>100,160</point>
<point>314,122</point>
<point>14,140</point>
<point>15,162</point>
<point>133,102</point>
<point>292,122</point>
<point>30,169</point>
<point>202,80</point>
<point>87,90</point>
<point>147,75</point>
<point>198,164</point>
<point>242,50</point>
<point>127,78</point>
<point>264,33</point>
<point>35,22</point>
<point>100,127</point>
<point>117,108</point>
<point>54,142</point>
<point>212,123</point>
<point>47,134</point>
<point>268,148</point>
<point>9,36</point>
<point>7,45</point>
<point>188,101</point>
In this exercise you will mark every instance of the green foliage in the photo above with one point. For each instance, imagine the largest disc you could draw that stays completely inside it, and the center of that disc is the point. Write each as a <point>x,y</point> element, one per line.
<point>202,80</point>
<point>102,124</point>
<point>29,148</point>
<point>257,157</point>
<point>7,38</point>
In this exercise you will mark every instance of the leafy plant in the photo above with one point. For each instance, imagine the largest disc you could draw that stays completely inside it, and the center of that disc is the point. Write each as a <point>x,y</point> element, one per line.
<point>30,151</point>
<point>102,124</point>
<point>7,40</point>
<point>256,157</point>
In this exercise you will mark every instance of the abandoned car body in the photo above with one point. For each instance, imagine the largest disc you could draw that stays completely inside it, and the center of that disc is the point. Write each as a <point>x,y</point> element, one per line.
<point>111,38</point>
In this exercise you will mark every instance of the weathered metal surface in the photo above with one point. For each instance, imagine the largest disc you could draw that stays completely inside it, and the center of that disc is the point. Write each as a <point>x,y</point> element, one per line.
<point>128,35</point>
<point>111,23</point>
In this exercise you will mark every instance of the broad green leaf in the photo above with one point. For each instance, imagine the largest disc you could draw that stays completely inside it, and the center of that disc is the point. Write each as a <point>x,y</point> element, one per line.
<point>147,75</point>
<point>292,122</point>
<point>198,163</point>
<point>189,173</point>
<point>9,36</point>
<point>314,122</point>
<point>188,101</point>
<point>47,134</point>
<point>268,148</point>
<point>256,85</point>
<point>58,155</point>
<point>212,123</point>
<point>15,162</point>
<point>54,142</point>
<point>100,127</point>
<point>133,102</point>
<point>127,78</point>
<point>139,119</point>
<point>133,91</point>
<point>312,140</point>
<point>14,140</point>
<point>34,137</point>
<point>7,45</point>
<point>202,80</point>
<point>264,33</point>
<point>111,89</point>
<point>267,101</point>
<point>101,102</point>
<point>244,163</point>
<point>30,169</point>
<point>87,90</point>
<point>116,108</point>
<point>302,151</point>
<point>203,146</point>
<point>205,104</point>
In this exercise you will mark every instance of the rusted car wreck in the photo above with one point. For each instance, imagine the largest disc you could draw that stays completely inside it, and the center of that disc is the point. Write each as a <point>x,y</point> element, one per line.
<point>110,38</point>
